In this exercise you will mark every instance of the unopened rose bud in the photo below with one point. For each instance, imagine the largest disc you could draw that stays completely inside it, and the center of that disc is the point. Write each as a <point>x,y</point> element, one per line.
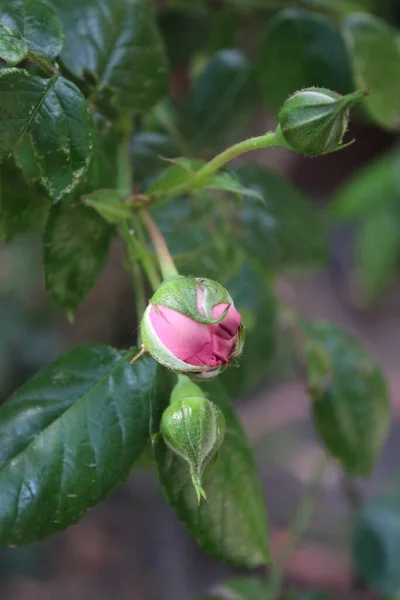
<point>313,121</point>
<point>193,428</point>
<point>191,326</point>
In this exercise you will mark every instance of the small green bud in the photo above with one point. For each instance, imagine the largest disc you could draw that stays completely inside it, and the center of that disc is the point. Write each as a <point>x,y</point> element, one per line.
<point>193,428</point>
<point>313,121</point>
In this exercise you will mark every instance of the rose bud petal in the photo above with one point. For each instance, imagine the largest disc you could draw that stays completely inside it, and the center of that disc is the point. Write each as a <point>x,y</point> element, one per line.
<point>191,326</point>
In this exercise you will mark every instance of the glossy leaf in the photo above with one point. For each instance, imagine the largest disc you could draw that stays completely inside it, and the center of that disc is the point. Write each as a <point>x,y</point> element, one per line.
<point>76,243</point>
<point>233,490</point>
<point>254,299</point>
<point>301,49</point>
<point>375,54</point>
<point>218,99</point>
<point>284,231</point>
<point>350,397</point>
<point>22,206</point>
<point>109,205</point>
<point>377,252</point>
<point>56,116</point>
<point>12,48</point>
<point>376,547</point>
<point>116,44</point>
<point>37,23</point>
<point>372,187</point>
<point>245,588</point>
<point>70,435</point>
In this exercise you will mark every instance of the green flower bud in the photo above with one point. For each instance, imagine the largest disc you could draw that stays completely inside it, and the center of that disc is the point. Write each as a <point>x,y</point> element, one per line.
<point>191,326</point>
<point>314,120</point>
<point>193,428</point>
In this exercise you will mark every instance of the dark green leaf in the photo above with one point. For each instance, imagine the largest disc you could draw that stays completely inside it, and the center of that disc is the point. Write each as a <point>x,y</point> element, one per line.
<point>109,204</point>
<point>117,43</point>
<point>203,247</point>
<point>294,595</point>
<point>76,244</point>
<point>62,138</point>
<point>374,185</point>
<point>377,252</point>
<point>184,33</point>
<point>375,54</point>
<point>37,23</point>
<point>233,492</point>
<point>25,159</point>
<point>350,397</point>
<point>301,49</point>
<point>284,232</point>
<point>56,116</point>
<point>148,151</point>
<point>219,98</point>
<point>22,207</point>
<point>376,547</point>
<point>12,48</point>
<point>254,300</point>
<point>70,435</point>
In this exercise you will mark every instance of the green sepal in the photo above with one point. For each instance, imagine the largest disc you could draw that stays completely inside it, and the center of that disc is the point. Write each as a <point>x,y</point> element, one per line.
<point>193,428</point>
<point>180,294</point>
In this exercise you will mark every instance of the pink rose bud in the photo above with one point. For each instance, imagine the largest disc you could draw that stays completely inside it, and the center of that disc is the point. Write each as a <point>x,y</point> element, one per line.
<point>191,326</point>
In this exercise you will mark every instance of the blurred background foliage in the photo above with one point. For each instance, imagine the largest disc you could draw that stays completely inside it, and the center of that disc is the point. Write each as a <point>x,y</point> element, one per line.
<point>326,241</point>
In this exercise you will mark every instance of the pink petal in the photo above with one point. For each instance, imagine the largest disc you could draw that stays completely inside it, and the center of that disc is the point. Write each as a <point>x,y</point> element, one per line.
<point>185,338</point>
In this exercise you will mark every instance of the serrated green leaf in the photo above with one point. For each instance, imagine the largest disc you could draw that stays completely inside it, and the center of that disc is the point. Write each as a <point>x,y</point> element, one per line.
<point>227,182</point>
<point>109,205</point>
<point>285,231</point>
<point>56,116</point>
<point>301,49</point>
<point>118,44</point>
<point>375,55</point>
<point>62,138</point>
<point>219,99</point>
<point>254,300</point>
<point>12,48</point>
<point>22,206</point>
<point>37,23</point>
<point>375,185</point>
<point>179,173</point>
<point>233,490</point>
<point>70,435</point>
<point>350,397</point>
<point>76,242</point>
<point>377,252</point>
<point>376,547</point>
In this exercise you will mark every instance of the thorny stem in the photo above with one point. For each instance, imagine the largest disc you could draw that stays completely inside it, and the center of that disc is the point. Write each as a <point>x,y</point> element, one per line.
<point>299,524</point>
<point>167,265</point>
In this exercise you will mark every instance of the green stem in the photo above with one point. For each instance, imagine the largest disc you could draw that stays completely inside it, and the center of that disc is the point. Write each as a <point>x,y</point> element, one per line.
<point>269,140</point>
<point>165,260</point>
<point>140,295</point>
<point>299,524</point>
<point>139,251</point>
<point>124,168</point>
